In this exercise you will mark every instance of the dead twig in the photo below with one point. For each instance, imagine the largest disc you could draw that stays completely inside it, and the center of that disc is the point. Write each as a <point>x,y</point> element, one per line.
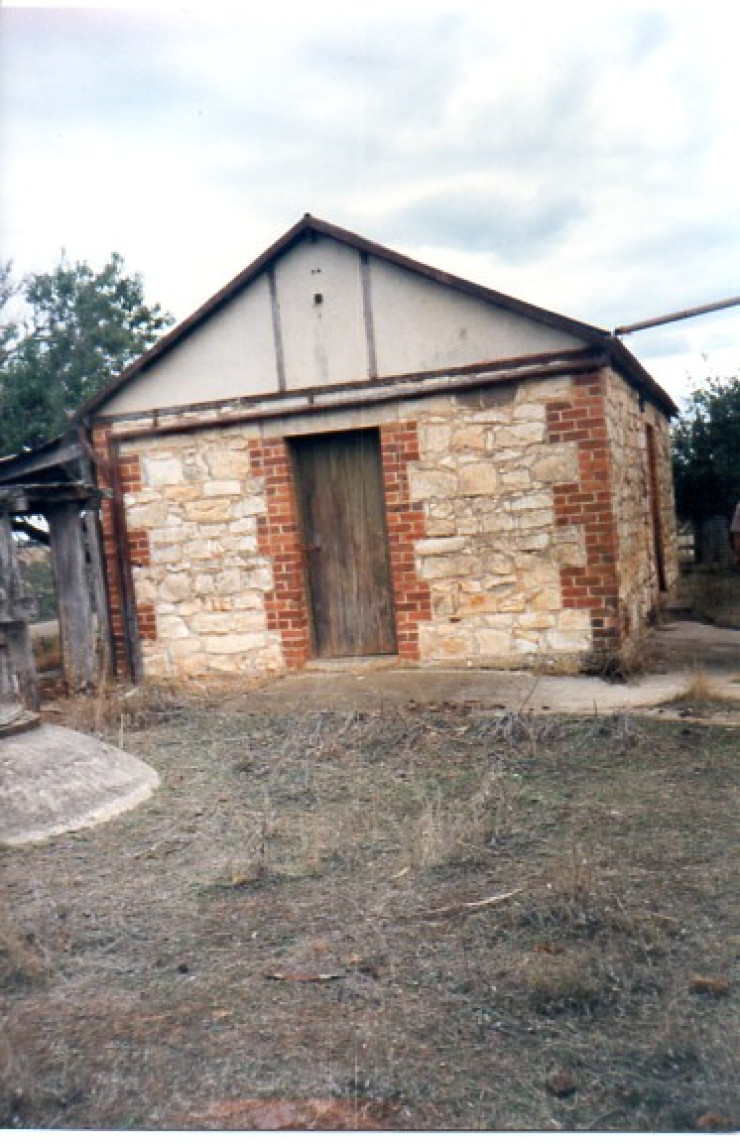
<point>305,977</point>
<point>466,906</point>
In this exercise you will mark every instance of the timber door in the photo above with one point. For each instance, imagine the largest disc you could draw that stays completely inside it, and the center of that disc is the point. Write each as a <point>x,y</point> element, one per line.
<point>341,509</point>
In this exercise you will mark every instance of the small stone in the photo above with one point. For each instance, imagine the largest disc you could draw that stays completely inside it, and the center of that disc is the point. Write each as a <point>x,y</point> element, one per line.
<point>561,1084</point>
<point>713,1121</point>
<point>709,986</point>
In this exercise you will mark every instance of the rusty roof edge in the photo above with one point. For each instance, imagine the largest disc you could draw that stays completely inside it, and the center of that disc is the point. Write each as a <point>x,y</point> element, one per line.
<point>623,358</point>
<point>447,278</point>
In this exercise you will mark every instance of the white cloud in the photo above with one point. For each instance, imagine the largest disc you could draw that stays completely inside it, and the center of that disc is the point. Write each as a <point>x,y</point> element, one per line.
<point>583,156</point>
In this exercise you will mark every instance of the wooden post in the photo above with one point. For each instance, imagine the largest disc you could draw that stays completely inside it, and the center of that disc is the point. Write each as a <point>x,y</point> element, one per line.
<point>17,667</point>
<point>95,552</point>
<point>93,535</point>
<point>76,625</point>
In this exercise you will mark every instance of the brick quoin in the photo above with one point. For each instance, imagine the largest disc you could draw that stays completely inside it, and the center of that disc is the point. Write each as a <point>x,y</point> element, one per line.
<point>103,447</point>
<point>399,445</point>
<point>279,538</point>
<point>588,503</point>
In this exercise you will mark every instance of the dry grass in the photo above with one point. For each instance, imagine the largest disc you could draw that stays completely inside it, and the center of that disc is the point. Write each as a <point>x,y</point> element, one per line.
<point>306,909</point>
<point>700,689</point>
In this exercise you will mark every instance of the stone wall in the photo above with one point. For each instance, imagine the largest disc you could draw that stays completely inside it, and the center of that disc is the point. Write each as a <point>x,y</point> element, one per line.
<point>200,579</point>
<point>516,520</point>
<point>637,515</point>
<point>494,551</point>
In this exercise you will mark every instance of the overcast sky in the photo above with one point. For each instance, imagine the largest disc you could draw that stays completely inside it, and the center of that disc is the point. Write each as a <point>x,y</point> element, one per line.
<point>581,156</point>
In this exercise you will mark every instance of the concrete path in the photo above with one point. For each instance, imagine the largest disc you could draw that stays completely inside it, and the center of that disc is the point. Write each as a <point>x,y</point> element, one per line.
<point>55,780</point>
<point>682,649</point>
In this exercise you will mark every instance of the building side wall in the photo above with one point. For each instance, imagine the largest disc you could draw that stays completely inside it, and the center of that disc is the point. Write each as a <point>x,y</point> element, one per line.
<point>500,522</point>
<point>639,589</point>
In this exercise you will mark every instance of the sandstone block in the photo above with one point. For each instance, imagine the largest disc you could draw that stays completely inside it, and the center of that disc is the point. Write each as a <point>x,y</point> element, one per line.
<point>209,510</point>
<point>181,647</point>
<point>432,483</point>
<point>230,581</point>
<point>171,625</point>
<point>228,622</point>
<point>249,507</point>
<point>556,464</point>
<point>570,641</point>
<point>221,487</point>
<point>523,643</point>
<point>528,411</point>
<point>547,596</point>
<point>175,587</point>
<point>514,479</point>
<point>447,565</point>
<point>546,390</point>
<point>573,619</point>
<point>227,643</point>
<point>169,535</point>
<point>161,470</point>
<point>445,643</point>
<point>434,438</point>
<point>146,516</point>
<point>520,433</point>
<point>492,642</point>
<point>537,620</point>
<point>440,545</point>
<point>223,464</point>
<point>478,478</point>
<point>532,500</point>
<point>529,542</point>
<point>469,436</point>
<point>258,577</point>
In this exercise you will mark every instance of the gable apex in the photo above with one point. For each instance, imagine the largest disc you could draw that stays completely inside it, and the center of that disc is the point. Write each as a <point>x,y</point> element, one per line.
<point>311,226</point>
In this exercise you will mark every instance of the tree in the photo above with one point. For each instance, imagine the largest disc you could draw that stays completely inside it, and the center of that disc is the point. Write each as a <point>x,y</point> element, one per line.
<point>63,336</point>
<point>706,451</point>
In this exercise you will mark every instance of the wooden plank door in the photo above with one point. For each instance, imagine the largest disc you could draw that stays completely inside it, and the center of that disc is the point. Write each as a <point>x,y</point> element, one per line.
<point>341,506</point>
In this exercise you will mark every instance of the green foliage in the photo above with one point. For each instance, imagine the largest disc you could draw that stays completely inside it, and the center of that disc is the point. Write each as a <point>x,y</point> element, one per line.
<point>63,336</point>
<point>706,451</point>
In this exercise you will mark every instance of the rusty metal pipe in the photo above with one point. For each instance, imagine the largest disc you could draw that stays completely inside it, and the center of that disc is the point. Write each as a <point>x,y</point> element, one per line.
<point>676,316</point>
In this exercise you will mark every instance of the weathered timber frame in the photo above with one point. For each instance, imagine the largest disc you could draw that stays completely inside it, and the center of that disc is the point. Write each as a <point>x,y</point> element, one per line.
<point>42,486</point>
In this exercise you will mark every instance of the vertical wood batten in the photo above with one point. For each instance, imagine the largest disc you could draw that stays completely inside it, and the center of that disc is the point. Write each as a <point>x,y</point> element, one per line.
<point>277,329</point>
<point>367,313</point>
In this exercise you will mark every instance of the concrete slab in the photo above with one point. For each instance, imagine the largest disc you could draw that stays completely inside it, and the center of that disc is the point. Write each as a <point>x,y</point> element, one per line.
<point>56,780</point>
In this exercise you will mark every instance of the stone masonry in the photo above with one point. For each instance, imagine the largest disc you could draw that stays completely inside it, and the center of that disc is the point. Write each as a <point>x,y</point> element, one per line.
<point>511,536</point>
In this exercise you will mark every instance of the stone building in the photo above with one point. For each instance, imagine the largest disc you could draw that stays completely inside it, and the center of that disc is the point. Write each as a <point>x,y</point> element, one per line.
<point>348,453</point>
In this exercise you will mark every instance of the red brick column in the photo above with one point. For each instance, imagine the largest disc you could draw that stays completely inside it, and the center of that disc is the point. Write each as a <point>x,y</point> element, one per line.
<point>279,539</point>
<point>588,503</point>
<point>399,445</point>
<point>103,448</point>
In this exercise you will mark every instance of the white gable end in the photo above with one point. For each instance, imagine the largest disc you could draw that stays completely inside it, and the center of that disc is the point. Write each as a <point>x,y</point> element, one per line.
<point>423,325</point>
<point>325,312</point>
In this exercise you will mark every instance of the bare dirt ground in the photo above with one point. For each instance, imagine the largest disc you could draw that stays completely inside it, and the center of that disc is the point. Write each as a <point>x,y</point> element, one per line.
<point>398,915</point>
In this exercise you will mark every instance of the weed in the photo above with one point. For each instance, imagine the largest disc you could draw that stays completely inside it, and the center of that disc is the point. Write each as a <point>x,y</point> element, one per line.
<point>699,689</point>
<point>21,963</point>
